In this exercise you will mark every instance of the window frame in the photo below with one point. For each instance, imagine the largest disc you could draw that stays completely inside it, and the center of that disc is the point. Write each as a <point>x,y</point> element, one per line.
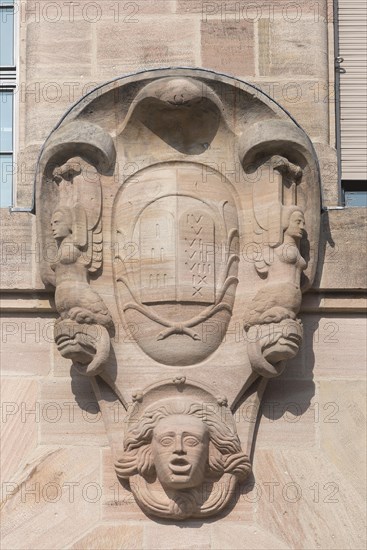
<point>9,75</point>
<point>345,184</point>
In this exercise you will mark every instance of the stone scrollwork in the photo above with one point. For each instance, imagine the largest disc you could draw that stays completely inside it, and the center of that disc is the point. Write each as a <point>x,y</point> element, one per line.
<point>178,210</point>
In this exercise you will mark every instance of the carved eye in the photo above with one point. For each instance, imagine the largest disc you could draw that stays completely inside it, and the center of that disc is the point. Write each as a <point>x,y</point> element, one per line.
<point>166,441</point>
<point>191,441</point>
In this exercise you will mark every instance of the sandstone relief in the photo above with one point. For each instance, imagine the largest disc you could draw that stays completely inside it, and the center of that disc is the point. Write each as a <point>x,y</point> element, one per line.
<point>180,214</point>
<point>82,333</point>
<point>182,453</point>
<point>184,271</point>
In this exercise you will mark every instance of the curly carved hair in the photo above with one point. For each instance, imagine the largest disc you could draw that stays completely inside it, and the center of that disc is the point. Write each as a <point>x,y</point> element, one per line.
<point>225,454</point>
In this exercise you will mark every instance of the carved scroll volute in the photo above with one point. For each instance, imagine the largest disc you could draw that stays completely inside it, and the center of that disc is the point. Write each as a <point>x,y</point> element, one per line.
<point>285,232</point>
<point>70,201</point>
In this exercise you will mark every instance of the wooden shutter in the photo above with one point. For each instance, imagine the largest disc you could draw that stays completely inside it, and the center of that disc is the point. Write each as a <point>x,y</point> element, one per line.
<point>352,16</point>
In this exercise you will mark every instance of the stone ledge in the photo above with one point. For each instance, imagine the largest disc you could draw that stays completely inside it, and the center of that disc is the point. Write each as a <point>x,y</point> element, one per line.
<point>321,302</point>
<point>341,251</point>
<point>334,302</point>
<point>27,302</point>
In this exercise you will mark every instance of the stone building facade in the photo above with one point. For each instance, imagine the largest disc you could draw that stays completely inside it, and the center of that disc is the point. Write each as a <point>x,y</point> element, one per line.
<point>58,483</point>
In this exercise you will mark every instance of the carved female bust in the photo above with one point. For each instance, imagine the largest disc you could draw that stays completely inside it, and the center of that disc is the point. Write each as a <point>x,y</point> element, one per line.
<point>75,299</point>
<point>288,264</point>
<point>281,297</point>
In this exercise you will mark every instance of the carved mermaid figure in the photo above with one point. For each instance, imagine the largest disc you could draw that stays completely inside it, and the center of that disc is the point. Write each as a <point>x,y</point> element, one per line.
<point>281,297</point>
<point>83,331</point>
<point>75,299</point>
<point>273,331</point>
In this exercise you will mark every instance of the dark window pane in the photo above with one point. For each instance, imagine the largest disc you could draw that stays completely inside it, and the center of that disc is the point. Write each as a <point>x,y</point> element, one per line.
<point>6,36</point>
<point>355,192</point>
<point>355,198</point>
<point>6,180</point>
<point>6,121</point>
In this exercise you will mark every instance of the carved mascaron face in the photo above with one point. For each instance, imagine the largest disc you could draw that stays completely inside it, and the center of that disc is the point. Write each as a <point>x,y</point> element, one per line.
<point>281,341</point>
<point>180,448</point>
<point>76,341</point>
<point>296,225</point>
<point>276,342</point>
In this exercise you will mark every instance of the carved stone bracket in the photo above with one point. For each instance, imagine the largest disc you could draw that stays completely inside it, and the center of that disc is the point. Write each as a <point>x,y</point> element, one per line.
<point>179,212</point>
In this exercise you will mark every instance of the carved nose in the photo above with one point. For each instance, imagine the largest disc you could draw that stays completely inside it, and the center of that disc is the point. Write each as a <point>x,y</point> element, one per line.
<point>179,450</point>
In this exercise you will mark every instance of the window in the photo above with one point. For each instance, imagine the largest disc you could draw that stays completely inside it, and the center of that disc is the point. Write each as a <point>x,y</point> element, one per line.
<point>6,146</point>
<point>351,66</point>
<point>7,103</point>
<point>354,193</point>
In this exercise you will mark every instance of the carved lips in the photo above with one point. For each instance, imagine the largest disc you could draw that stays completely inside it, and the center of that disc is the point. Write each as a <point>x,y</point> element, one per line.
<point>180,466</point>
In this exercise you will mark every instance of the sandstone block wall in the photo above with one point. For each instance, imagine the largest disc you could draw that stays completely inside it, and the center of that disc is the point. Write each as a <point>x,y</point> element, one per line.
<point>58,487</point>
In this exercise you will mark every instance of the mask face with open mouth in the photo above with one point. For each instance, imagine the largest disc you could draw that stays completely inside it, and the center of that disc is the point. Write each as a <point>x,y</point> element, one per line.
<point>76,341</point>
<point>281,341</point>
<point>180,448</point>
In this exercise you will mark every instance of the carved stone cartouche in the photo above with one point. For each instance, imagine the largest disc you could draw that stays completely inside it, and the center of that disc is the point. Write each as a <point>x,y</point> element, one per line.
<point>183,272</point>
<point>189,171</point>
